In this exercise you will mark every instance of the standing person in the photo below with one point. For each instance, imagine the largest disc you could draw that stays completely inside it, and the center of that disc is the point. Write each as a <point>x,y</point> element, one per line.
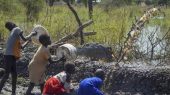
<point>60,84</point>
<point>38,64</point>
<point>13,53</point>
<point>91,86</point>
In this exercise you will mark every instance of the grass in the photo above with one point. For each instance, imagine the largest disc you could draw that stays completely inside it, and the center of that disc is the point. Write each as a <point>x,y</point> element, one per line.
<point>110,25</point>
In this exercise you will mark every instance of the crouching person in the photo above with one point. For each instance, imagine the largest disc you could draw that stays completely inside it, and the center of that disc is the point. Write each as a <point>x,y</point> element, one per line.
<point>38,64</point>
<point>91,86</point>
<point>60,84</point>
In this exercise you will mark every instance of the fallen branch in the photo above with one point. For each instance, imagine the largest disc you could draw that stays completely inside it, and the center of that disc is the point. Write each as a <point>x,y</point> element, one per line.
<point>82,27</point>
<point>89,33</point>
<point>75,34</point>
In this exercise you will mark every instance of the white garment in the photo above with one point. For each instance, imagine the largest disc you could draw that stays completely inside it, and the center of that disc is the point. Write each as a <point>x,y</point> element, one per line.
<point>62,76</point>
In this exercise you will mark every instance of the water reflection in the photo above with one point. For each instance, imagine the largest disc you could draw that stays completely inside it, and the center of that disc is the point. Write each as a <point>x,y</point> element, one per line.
<point>151,37</point>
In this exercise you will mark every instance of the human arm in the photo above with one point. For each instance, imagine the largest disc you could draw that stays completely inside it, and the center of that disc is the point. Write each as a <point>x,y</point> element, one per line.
<point>63,59</point>
<point>67,84</point>
<point>56,45</point>
<point>27,37</point>
<point>24,45</point>
<point>97,91</point>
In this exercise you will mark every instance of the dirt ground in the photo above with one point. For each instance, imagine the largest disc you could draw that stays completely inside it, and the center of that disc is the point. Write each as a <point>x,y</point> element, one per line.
<point>135,78</point>
<point>129,79</point>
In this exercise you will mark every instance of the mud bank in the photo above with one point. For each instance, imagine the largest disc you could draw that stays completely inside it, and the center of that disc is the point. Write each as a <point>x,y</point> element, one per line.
<point>140,79</point>
<point>130,79</point>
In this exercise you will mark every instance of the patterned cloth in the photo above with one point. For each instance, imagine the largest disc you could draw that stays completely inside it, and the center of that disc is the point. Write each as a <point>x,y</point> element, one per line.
<point>53,86</point>
<point>57,85</point>
<point>62,76</point>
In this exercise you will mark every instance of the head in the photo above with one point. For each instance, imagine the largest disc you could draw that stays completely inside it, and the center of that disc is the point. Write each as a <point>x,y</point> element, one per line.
<point>100,74</point>
<point>10,25</point>
<point>69,68</point>
<point>45,40</point>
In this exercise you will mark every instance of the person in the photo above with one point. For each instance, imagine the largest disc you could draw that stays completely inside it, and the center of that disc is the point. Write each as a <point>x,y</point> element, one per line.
<point>38,64</point>
<point>91,86</point>
<point>60,84</point>
<point>13,53</point>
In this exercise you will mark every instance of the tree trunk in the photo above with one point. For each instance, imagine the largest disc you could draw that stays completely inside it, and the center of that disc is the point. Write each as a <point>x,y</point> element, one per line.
<point>90,6</point>
<point>78,21</point>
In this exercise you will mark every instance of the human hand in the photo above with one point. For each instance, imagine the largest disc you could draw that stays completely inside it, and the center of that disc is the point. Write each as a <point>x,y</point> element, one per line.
<point>34,33</point>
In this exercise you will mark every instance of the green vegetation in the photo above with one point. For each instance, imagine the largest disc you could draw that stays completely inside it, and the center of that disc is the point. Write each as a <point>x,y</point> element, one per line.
<point>110,23</point>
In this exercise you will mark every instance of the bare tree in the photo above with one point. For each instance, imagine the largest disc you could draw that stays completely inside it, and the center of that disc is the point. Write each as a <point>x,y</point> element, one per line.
<point>156,42</point>
<point>135,31</point>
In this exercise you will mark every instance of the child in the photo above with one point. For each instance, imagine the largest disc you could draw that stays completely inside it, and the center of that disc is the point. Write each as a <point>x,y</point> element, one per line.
<point>60,83</point>
<point>13,53</point>
<point>37,66</point>
<point>91,86</point>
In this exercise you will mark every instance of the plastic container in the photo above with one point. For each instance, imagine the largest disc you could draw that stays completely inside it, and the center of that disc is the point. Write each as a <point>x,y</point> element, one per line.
<point>40,30</point>
<point>67,50</point>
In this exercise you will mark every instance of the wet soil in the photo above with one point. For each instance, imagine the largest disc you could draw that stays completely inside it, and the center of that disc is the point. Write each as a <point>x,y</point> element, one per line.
<point>129,79</point>
<point>135,78</point>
